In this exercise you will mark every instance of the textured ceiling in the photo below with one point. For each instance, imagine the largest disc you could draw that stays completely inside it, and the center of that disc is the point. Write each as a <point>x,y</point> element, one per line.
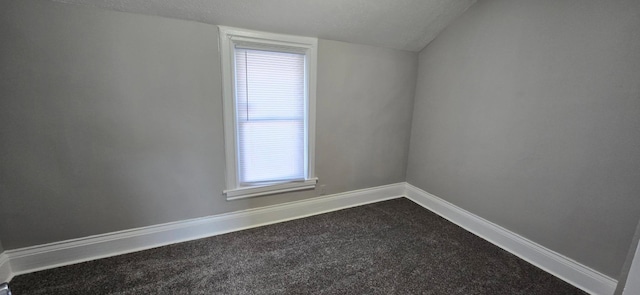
<point>400,24</point>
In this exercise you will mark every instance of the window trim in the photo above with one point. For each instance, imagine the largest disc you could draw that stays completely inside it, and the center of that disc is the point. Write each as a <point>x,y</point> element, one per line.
<point>228,38</point>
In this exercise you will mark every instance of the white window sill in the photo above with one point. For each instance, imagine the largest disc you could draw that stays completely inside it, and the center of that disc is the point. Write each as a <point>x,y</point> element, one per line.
<point>255,191</point>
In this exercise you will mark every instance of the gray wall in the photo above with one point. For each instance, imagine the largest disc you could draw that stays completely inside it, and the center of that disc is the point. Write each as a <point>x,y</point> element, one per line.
<point>527,114</point>
<point>626,268</point>
<point>365,99</point>
<point>112,121</point>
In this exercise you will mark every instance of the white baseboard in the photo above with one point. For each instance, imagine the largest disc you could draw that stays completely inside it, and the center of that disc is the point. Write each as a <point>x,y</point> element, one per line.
<point>554,263</point>
<point>5,268</point>
<point>30,259</point>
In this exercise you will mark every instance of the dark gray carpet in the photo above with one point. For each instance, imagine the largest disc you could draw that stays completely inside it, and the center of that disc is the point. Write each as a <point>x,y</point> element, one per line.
<point>392,247</point>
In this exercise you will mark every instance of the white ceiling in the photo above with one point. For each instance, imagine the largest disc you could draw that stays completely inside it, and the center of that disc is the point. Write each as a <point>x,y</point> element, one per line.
<point>400,24</point>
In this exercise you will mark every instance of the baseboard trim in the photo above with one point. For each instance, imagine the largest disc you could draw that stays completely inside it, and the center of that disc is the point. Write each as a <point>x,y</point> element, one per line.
<point>5,268</point>
<point>41,257</point>
<point>554,263</point>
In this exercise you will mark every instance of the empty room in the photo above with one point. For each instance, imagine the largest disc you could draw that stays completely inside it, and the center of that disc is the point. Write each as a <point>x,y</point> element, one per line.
<point>320,147</point>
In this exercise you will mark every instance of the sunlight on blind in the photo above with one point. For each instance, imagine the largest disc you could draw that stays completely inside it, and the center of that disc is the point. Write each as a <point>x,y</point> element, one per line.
<point>270,95</point>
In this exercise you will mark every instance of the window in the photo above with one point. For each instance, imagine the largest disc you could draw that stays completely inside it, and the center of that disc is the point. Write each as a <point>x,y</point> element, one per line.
<point>269,112</point>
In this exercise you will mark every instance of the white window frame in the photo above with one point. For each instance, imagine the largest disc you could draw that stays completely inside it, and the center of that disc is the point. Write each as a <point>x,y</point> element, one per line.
<point>228,38</point>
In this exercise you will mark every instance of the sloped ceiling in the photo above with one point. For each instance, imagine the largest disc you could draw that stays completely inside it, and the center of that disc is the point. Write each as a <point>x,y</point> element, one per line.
<point>400,24</point>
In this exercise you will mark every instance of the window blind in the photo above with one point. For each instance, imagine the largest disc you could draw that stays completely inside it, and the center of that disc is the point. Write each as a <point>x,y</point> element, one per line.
<point>270,115</point>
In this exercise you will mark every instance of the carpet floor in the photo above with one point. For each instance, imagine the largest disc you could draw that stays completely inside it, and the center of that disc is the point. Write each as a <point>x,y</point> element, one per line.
<point>391,247</point>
